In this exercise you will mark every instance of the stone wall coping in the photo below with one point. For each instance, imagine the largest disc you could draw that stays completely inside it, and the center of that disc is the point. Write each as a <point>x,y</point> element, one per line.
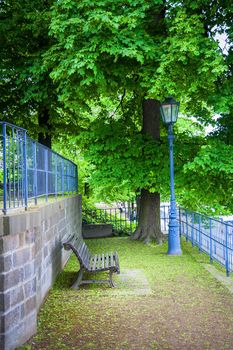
<point>18,221</point>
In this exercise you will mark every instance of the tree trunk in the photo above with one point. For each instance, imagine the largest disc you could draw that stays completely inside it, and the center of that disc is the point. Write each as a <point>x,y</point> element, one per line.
<point>149,228</point>
<point>149,218</point>
<point>44,136</point>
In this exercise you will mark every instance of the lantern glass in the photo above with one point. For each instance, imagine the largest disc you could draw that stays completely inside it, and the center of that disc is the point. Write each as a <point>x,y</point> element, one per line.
<point>169,110</point>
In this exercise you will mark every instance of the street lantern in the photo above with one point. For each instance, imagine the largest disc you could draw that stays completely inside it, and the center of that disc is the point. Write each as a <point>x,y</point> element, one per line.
<point>169,110</point>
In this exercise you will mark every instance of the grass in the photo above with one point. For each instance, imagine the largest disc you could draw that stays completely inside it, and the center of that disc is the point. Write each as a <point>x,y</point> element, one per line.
<point>186,309</point>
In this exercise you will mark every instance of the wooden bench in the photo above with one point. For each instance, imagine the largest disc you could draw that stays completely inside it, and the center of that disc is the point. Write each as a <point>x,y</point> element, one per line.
<point>92,263</point>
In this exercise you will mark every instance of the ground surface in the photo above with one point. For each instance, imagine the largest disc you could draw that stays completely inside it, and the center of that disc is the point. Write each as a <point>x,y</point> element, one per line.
<point>180,306</point>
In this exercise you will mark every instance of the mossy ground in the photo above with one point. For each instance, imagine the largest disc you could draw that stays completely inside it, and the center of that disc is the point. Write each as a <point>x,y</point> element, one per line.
<point>187,310</point>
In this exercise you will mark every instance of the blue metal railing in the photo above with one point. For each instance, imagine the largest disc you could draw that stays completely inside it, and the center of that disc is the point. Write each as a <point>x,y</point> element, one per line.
<point>29,170</point>
<point>210,235</point>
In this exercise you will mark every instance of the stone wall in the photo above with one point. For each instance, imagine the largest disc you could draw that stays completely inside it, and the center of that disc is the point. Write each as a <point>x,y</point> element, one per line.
<point>31,256</point>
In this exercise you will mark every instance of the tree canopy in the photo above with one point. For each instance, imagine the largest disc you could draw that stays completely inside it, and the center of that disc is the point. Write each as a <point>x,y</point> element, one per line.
<point>153,48</point>
<point>80,70</point>
<point>28,94</point>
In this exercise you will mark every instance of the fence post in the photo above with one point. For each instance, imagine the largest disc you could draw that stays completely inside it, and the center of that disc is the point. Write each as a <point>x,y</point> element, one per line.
<point>199,233</point>
<point>211,242</point>
<point>62,177</point>
<point>55,175</point>
<point>35,173</point>
<point>67,178</point>
<point>46,173</point>
<point>186,235</point>
<point>18,161</point>
<point>13,159</point>
<point>25,170</point>
<point>76,177</point>
<point>227,257</point>
<point>130,214</point>
<point>180,223</point>
<point>9,170</point>
<point>192,230</point>
<point>4,168</point>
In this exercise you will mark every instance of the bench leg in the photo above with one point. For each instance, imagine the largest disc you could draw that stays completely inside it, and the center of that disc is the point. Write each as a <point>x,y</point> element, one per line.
<point>110,279</point>
<point>79,279</point>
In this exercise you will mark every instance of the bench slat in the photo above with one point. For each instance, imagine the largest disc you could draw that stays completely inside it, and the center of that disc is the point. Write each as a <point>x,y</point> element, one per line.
<point>111,259</point>
<point>85,256</point>
<point>81,250</point>
<point>99,262</point>
<point>93,267</point>
<point>106,262</point>
<point>102,258</point>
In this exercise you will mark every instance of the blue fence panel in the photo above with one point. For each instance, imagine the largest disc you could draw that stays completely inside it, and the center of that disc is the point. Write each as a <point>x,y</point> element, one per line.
<point>210,235</point>
<point>29,170</point>
<point>164,217</point>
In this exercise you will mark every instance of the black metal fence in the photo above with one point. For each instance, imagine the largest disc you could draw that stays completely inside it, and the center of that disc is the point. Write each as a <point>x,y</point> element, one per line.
<point>124,220</point>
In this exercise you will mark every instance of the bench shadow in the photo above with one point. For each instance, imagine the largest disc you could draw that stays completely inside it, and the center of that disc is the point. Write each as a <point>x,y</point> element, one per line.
<point>66,279</point>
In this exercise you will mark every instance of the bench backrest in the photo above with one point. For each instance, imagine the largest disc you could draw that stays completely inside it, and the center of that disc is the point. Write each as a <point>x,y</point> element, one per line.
<point>80,249</point>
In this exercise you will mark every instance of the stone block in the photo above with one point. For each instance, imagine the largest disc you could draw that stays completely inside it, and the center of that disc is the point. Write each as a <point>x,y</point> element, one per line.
<point>34,220</point>
<point>30,236</point>
<point>16,295</point>
<point>50,234</point>
<point>9,243</point>
<point>22,239</point>
<point>62,224</point>
<point>21,257</point>
<point>30,288</point>
<point>10,319</point>
<point>38,245</point>
<point>63,232</point>
<point>38,271</point>
<point>15,223</point>
<point>33,251</point>
<point>13,337</point>
<point>10,279</point>
<point>38,259</point>
<point>48,210</point>
<point>29,271</point>
<point>20,222</point>
<point>1,226</point>
<point>4,302</point>
<point>5,262</point>
<point>2,341</point>
<point>61,205</point>
<point>30,305</point>
<point>47,261</point>
<point>45,251</point>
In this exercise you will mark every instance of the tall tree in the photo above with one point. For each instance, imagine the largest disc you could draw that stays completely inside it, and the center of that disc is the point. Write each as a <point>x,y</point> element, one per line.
<point>149,49</point>
<point>149,211</point>
<point>28,94</point>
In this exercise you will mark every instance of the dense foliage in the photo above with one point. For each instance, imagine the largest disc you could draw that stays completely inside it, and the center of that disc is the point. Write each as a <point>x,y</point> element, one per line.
<point>28,94</point>
<point>79,71</point>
